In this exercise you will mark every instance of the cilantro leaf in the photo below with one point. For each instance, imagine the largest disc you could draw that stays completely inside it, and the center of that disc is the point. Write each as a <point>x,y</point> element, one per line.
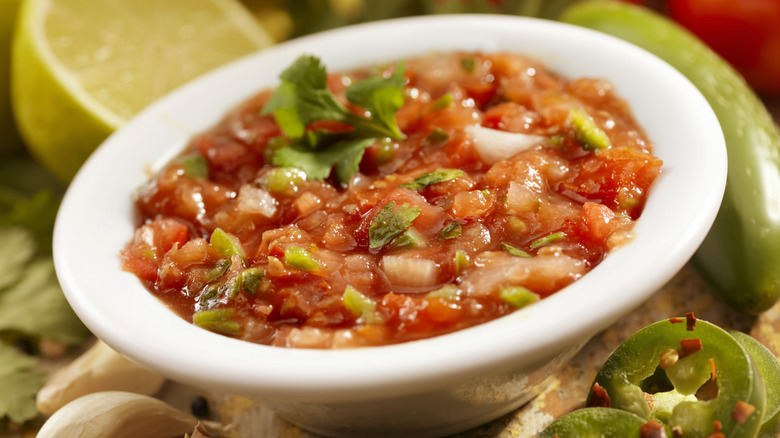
<point>35,306</point>
<point>16,250</point>
<point>19,383</point>
<point>382,97</point>
<point>430,178</point>
<point>345,155</point>
<point>303,97</point>
<point>389,223</point>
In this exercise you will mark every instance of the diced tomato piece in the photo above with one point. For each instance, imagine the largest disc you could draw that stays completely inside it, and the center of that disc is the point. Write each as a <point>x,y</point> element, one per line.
<point>617,177</point>
<point>152,240</point>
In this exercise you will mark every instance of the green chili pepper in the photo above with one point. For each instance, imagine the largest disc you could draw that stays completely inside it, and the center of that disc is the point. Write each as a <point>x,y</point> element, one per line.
<point>300,258</point>
<point>596,423</point>
<point>226,244</point>
<point>693,377</point>
<point>217,320</point>
<point>360,305</point>
<point>741,255</point>
<point>768,367</point>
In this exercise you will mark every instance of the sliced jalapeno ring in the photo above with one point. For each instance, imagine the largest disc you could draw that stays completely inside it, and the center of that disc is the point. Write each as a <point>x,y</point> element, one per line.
<point>711,386</point>
<point>597,423</point>
<point>768,367</point>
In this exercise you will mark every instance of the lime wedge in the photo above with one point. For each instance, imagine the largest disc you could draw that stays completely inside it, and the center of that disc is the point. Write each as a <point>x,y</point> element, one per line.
<point>82,68</point>
<point>9,138</point>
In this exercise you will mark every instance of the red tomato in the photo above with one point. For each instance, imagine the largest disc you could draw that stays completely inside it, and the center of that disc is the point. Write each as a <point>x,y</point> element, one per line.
<point>744,32</point>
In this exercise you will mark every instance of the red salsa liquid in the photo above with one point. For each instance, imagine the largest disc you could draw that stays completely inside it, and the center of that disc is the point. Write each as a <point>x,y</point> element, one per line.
<point>293,263</point>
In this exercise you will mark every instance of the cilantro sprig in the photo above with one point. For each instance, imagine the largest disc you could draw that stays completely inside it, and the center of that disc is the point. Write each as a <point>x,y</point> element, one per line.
<point>390,222</point>
<point>303,97</point>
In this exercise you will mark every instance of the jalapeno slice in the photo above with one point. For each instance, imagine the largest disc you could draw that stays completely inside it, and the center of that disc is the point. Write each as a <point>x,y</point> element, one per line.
<point>688,374</point>
<point>769,368</point>
<point>599,423</point>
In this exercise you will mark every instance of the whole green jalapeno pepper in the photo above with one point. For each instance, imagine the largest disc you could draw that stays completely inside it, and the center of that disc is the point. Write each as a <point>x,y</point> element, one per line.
<point>741,255</point>
<point>600,423</point>
<point>689,375</point>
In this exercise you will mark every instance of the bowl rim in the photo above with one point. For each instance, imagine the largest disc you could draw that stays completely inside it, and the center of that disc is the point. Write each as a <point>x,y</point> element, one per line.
<point>185,353</point>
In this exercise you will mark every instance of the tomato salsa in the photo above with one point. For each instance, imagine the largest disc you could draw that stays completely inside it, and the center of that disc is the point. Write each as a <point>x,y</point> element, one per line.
<point>392,203</point>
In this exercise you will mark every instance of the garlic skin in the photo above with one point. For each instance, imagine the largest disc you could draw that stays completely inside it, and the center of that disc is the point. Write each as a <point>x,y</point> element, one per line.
<point>117,414</point>
<point>98,369</point>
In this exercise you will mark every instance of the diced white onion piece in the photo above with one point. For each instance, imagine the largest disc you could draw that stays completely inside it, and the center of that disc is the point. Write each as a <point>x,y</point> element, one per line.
<point>521,199</point>
<point>493,145</point>
<point>543,273</point>
<point>409,272</point>
<point>254,200</point>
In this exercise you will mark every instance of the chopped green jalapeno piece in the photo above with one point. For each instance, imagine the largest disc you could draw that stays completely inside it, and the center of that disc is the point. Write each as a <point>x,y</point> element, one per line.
<point>226,244</point>
<point>300,258</point>
<point>517,296</point>
<point>436,137</point>
<point>512,250</point>
<point>713,387</point>
<point>468,64</point>
<point>218,270</point>
<point>390,222</point>
<point>282,179</point>
<point>451,231</point>
<point>597,423</point>
<point>462,260</point>
<point>443,102</point>
<point>195,166</point>
<point>587,133</point>
<point>217,320</point>
<point>431,178</point>
<point>251,278</point>
<point>449,292</point>
<point>548,239</point>
<point>410,238</point>
<point>360,305</point>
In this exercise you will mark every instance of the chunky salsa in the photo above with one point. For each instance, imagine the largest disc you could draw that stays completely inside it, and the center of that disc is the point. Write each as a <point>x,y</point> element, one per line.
<point>393,203</point>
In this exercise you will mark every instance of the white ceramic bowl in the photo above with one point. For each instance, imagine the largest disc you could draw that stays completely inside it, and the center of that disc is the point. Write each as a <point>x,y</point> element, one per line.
<point>423,388</point>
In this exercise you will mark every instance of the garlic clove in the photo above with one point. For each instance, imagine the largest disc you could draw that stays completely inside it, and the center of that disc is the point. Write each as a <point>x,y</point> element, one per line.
<point>117,414</point>
<point>100,368</point>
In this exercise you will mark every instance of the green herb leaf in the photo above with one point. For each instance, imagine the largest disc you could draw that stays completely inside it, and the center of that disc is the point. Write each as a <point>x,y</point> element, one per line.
<point>517,252</point>
<point>548,239</point>
<point>16,250</point>
<point>382,97</point>
<point>35,306</point>
<point>389,223</point>
<point>451,231</point>
<point>430,178</point>
<point>303,97</point>
<point>19,384</point>
<point>345,156</point>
